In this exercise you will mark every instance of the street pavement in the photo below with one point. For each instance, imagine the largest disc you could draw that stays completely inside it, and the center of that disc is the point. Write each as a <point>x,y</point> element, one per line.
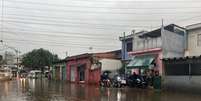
<point>44,90</point>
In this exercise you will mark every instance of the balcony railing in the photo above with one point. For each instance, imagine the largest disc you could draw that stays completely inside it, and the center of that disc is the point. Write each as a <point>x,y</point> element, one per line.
<point>146,43</point>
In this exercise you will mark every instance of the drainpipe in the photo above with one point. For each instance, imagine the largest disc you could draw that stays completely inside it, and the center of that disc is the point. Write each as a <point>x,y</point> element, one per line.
<point>185,42</point>
<point>189,71</point>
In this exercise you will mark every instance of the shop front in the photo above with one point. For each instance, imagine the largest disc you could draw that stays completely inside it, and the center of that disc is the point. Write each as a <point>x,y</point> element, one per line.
<point>145,62</point>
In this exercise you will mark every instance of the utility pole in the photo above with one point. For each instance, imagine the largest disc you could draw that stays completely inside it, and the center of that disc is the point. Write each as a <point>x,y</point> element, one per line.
<point>124,52</point>
<point>66,53</point>
<point>2,16</point>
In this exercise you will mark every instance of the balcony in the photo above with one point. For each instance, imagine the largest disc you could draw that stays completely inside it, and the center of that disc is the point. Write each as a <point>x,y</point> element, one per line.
<point>140,44</point>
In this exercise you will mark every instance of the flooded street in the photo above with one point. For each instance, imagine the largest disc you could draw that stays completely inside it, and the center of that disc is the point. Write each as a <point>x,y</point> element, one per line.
<point>44,90</point>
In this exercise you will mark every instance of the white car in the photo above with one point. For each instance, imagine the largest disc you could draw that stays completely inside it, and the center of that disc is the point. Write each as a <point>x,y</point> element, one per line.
<point>5,74</point>
<point>35,74</point>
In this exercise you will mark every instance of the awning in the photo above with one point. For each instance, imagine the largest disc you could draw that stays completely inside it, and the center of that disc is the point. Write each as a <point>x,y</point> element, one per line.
<point>144,61</point>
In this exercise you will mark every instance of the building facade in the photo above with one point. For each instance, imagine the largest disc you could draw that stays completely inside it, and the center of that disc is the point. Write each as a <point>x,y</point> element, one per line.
<point>87,68</point>
<point>194,40</point>
<point>151,47</point>
<point>58,70</point>
<point>185,72</point>
<point>127,45</point>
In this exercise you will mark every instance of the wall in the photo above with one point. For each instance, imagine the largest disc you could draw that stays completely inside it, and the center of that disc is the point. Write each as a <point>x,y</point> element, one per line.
<point>75,64</point>
<point>94,76</point>
<point>157,53</point>
<point>124,51</point>
<point>110,64</point>
<point>173,44</point>
<point>146,43</point>
<point>193,48</point>
<point>187,83</point>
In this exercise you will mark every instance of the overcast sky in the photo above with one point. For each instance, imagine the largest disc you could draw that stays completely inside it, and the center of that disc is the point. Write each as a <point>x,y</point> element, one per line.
<point>75,25</point>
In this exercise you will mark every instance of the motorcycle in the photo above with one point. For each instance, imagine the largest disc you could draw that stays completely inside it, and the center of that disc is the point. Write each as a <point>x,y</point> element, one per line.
<point>105,83</point>
<point>119,81</point>
<point>137,81</point>
<point>105,80</point>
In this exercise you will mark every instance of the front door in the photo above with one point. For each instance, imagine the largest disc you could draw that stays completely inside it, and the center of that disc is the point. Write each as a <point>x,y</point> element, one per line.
<point>72,73</point>
<point>81,72</point>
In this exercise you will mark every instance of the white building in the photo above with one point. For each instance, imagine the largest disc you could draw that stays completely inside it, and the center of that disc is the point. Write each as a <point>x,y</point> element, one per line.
<point>194,40</point>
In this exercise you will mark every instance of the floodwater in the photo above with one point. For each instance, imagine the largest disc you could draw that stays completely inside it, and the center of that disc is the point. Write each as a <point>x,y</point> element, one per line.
<point>44,90</point>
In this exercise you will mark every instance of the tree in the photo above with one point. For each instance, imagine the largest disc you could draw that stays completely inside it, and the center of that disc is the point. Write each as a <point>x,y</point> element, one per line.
<point>38,58</point>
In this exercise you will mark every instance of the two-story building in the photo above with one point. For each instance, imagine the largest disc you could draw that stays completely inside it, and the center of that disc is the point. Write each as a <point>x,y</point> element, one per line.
<point>151,47</point>
<point>127,44</point>
<point>185,72</point>
<point>194,40</point>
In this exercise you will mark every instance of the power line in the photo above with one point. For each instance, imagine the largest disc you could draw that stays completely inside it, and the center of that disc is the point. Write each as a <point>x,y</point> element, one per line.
<point>64,18</point>
<point>32,29</point>
<point>25,32</point>
<point>71,22</point>
<point>61,25</point>
<point>81,6</point>
<point>101,12</point>
<point>2,18</point>
<point>132,1</point>
<point>186,19</point>
<point>54,43</point>
<point>143,1</point>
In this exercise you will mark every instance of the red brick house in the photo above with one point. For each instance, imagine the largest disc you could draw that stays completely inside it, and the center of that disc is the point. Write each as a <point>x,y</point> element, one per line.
<point>86,68</point>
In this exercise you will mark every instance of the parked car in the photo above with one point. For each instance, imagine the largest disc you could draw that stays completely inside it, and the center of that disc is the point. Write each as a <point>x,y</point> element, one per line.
<point>5,74</point>
<point>46,73</point>
<point>23,74</point>
<point>35,74</point>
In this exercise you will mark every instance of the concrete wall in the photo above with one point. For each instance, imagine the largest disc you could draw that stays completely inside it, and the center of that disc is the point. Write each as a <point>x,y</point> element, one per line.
<point>193,48</point>
<point>146,43</point>
<point>73,64</point>
<point>173,44</point>
<point>111,65</point>
<point>186,83</point>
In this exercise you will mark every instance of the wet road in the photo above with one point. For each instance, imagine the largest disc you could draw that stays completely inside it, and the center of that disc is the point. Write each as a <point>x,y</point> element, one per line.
<point>44,90</point>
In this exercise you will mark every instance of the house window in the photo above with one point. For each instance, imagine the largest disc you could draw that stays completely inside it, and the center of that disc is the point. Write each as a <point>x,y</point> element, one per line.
<point>129,46</point>
<point>199,40</point>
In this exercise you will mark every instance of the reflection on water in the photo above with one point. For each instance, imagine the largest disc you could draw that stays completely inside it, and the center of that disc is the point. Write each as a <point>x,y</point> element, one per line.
<point>44,90</point>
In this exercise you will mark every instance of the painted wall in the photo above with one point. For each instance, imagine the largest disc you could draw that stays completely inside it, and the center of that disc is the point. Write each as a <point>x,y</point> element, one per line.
<point>146,43</point>
<point>74,64</point>
<point>187,83</point>
<point>124,51</point>
<point>59,71</point>
<point>158,59</point>
<point>94,77</point>
<point>110,64</point>
<point>193,48</point>
<point>173,44</point>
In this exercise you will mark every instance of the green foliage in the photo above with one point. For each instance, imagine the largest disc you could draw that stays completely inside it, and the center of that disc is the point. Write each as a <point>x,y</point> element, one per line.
<point>38,58</point>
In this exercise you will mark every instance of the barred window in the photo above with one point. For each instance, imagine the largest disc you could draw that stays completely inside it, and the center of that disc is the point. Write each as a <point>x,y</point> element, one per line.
<point>129,46</point>
<point>199,40</point>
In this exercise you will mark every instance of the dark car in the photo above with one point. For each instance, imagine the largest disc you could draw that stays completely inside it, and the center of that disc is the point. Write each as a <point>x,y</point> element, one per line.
<point>23,74</point>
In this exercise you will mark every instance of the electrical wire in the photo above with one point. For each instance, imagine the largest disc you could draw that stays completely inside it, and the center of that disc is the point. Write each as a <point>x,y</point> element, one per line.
<point>81,6</point>
<point>55,43</point>
<point>26,32</point>
<point>100,12</point>
<point>71,22</point>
